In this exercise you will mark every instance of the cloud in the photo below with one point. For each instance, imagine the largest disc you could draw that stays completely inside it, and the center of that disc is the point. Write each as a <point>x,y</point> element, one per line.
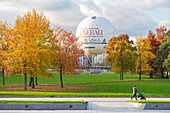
<point>134,17</point>
<point>68,17</point>
<point>60,12</point>
<point>123,15</point>
<point>89,7</point>
<point>165,23</point>
<point>155,3</point>
<point>8,12</point>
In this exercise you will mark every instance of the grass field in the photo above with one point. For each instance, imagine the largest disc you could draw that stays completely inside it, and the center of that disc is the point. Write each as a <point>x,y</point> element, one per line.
<point>93,85</point>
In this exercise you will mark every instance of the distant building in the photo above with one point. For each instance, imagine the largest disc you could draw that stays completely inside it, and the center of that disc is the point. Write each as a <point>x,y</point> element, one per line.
<point>95,60</point>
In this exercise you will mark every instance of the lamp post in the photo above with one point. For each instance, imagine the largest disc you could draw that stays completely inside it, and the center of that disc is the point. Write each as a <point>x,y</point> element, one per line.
<point>140,65</point>
<point>140,60</point>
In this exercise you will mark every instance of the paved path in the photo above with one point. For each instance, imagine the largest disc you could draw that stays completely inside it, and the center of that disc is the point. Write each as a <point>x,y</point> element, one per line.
<point>95,105</point>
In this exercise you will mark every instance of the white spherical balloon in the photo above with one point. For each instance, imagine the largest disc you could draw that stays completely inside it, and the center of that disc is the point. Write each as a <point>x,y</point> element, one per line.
<point>94,33</point>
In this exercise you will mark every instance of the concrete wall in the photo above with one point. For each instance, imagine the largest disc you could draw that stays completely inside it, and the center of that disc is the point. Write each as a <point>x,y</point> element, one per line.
<point>150,106</point>
<point>154,106</point>
<point>56,106</point>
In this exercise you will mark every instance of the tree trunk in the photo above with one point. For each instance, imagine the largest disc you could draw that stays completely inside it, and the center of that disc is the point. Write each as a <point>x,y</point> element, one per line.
<point>61,77</point>
<point>36,80</point>
<point>121,76</point>
<point>61,80</point>
<point>3,77</point>
<point>32,83</point>
<point>167,75</point>
<point>162,73</point>
<point>140,76</point>
<point>140,67</point>
<point>151,74</point>
<point>25,78</point>
<point>25,81</point>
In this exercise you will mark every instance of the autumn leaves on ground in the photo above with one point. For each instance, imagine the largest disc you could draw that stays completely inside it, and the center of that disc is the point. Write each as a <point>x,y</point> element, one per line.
<point>30,48</point>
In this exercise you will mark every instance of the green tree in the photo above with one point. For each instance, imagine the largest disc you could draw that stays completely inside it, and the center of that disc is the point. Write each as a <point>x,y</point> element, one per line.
<point>166,65</point>
<point>163,55</point>
<point>120,49</point>
<point>162,52</point>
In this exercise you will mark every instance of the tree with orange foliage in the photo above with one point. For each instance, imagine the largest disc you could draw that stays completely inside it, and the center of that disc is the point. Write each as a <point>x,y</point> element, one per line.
<point>68,53</point>
<point>160,33</point>
<point>30,47</point>
<point>155,41</point>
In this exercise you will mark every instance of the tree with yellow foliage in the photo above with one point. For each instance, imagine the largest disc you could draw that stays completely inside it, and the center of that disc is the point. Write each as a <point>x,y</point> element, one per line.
<point>4,28</point>
<point>121,54</point>
<point>144,55</point>
<point>30,47</point>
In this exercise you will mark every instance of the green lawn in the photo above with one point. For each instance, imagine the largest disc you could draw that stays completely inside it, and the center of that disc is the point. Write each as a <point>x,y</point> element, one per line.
<point>93,85</point>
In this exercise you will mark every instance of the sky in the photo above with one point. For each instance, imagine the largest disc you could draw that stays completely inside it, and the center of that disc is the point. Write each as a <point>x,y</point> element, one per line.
<point>133,17</point>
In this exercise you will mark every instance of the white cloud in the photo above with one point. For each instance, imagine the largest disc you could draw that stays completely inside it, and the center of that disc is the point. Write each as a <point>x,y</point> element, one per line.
<point>123,15</point>
<point>89,7</point>
<point>134,17</point>
<point>165,23</point>
<point>156,3</point>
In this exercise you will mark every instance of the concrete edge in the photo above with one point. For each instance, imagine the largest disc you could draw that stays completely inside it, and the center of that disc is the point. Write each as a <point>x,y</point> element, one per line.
<point>157,107</point>
<point>138,105</point>
<point>151,106</point>
<point>56,106</point>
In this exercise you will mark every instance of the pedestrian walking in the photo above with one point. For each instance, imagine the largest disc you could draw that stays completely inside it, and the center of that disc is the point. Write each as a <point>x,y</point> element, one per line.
<point>134,93</point>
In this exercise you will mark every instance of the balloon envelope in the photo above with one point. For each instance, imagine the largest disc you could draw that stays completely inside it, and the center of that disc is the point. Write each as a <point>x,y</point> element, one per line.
<point>94,33</point>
